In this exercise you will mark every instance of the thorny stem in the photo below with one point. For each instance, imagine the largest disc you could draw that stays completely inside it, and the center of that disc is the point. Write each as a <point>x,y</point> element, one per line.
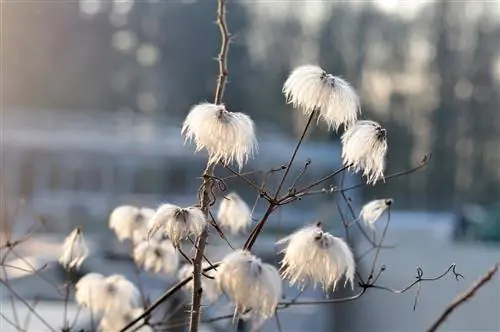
<point>174,289</point>
<point>464,297</point>
<point>224,49</point>
<point>205,199</point>
<point>198,258</point>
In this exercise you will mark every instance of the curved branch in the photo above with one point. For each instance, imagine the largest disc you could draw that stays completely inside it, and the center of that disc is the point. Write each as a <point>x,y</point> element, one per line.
<point>464,297</point>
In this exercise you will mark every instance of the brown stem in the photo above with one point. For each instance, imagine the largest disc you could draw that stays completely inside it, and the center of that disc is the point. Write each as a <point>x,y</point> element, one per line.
<point>464,297</point>
<point>255,232</point>
<point>224,49</point>
<point>205,199</point>
<point>299,143</point>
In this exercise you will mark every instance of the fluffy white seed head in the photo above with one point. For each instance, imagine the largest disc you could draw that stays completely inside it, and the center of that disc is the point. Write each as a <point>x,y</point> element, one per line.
<point>74,250</point>
<point>210,289</point>
<point>234,214</point>
<point>129,221</point>
<point>372,211</point>
<point>311,88</point>
<point>364,147</point>
<point>156,256</point>
<point>177,223</point>
<point>89,290</point>
<point>251,284</point>
<point>100,294</point>
<point>313,256</point>
<point>227,136</point>
<point>114,321</point>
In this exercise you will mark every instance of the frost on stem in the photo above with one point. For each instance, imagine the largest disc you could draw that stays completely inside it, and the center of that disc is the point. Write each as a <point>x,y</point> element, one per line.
<point>113,321</point>
<point>372,211</point>
<point>177,223</point>
<point>129,222</point>
<point>252,285</point>
<point>156,256</point>
<point>101,294</point>
<point>227,136</point>
<point>315,256</point>
<point>311,88</point>
<point>234,214</point>
<point>74,250</point>
<point>210,290</point>
<point>364,147</point>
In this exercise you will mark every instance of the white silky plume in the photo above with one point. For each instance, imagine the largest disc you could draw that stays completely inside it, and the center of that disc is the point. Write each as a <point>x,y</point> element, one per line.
<point>129,221</point>
<point>177,223</point>
<point>227,136</point>
<point>114,321</point>
<point>364,147</point>
<point>313,256</point>
<point>250,284</point>
<point>156,256</point>
<point>311,88</point>
<point>372,211</point>
<point>101,294</point>
<point>74,250</point>
<point>210,289</point>
<point>234,214</point>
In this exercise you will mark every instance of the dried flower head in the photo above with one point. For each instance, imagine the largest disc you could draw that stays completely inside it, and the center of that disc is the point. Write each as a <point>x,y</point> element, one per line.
<point>156,256</point>
<point>101,294</point>
<point>114,321</point>
<point>372,211</point>
<point>252,285</point>
<point>364,147</point>
<point>227,136</point>
<point>311,88</point>
<point>74,250</point>
<point>210,289</point>
<point>234,214</point>
<point>126,220</point>
<point>315,256</point>
<point>177,223</point>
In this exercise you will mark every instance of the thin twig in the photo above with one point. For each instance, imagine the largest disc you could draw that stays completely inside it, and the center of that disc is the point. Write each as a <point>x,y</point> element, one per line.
<point>29,314</point>
<point>262,193</point>
<point>377,252</point>
<point>11,322</point>
<point>30,308</point>
<point>464,297</point>
<point>169,293</point>
<point>418,280</point>
<point>422,164</point>
<point>294,154</point>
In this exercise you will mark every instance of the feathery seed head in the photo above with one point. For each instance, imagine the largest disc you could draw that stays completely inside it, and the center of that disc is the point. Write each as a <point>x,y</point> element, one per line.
<point>114,321</point>
<point>156,256</point>
<point>130,222</point>
<point>251,284</point>
<point>177,223</point>
<point>315,256</point>
<point>210,290</point>
<point>372,211</point>
<point>227,136</point>
<point>234,214</point>
<point>74,250</point>
<point>311,88</point>
<point>364,147</point>
<point>101,294</point>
